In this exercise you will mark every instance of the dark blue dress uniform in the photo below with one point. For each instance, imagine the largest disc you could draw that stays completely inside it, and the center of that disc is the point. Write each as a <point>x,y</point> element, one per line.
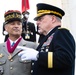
<point>57,49</point>
<point>56,54</point>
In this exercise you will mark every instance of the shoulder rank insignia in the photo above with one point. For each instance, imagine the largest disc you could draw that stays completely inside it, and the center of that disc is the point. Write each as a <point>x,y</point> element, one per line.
<point>1,55</point>
<point>63,28</point>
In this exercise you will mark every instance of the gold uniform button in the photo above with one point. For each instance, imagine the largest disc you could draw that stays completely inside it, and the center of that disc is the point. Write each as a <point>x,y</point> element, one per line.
<point>11,68</point>
<point>11,60</point>
<point>31,71</point>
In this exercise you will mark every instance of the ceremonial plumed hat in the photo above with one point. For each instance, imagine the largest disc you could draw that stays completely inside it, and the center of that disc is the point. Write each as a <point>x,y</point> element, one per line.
<point>43,9</point>
<point>12,15</point>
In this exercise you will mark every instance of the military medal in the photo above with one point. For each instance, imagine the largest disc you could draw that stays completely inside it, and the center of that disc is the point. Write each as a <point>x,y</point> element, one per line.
<point>27,36</point>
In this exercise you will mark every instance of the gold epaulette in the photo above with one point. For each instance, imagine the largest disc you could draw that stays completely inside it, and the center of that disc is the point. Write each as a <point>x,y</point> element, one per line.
<point>63,28</point>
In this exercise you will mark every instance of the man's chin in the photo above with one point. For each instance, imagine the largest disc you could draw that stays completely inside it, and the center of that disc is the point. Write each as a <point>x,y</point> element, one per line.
<point>16,34</point>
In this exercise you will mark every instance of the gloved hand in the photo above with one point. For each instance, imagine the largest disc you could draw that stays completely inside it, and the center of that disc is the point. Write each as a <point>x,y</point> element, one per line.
<point>28,54</point>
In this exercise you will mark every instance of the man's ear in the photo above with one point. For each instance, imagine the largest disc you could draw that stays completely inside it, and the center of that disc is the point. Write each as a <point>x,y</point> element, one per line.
<point>53,18</point>
<point>5,27</point>
<point>5,32</point>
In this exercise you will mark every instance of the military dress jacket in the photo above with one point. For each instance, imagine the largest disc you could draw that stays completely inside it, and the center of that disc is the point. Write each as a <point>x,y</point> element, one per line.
<point>11,64</point>
<point>56,54</point>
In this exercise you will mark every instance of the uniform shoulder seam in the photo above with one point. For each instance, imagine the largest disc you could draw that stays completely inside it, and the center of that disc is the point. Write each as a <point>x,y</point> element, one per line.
<point>60,28</point>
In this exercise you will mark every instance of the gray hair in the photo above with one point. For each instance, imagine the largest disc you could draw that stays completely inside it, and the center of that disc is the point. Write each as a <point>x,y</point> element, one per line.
<point>58,19</point>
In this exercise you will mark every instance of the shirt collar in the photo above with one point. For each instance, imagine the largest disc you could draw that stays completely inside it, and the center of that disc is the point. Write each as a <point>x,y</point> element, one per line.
<point>13,41</point>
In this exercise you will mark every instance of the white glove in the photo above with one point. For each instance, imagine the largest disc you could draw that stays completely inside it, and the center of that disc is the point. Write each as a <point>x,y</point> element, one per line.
<point>28,54</point>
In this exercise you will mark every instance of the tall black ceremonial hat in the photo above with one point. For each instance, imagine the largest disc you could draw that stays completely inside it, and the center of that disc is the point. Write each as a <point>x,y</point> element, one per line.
<point>12,15</point>
<point>43,9</point>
